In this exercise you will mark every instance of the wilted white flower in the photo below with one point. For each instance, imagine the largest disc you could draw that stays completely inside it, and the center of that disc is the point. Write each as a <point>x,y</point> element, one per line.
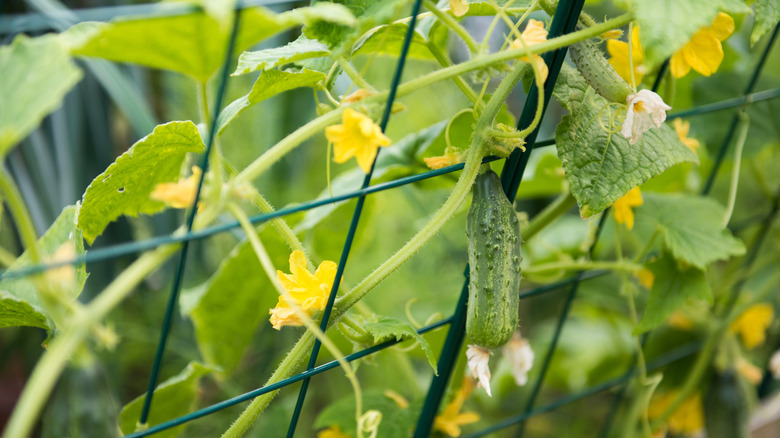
<point>520,356</point>
<point>774,364</point>
<point>478,364</point>
<point>646,110</point>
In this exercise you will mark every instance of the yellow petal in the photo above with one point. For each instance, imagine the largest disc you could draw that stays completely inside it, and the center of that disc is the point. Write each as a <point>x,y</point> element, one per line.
<point>704,53</point>
<point>326,273</point>
<point>722,27</point>
<point>459,7</point>
<point>679,65</point>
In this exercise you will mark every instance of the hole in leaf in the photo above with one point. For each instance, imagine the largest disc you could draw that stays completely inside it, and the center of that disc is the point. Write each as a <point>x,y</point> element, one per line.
<point>120,190</point>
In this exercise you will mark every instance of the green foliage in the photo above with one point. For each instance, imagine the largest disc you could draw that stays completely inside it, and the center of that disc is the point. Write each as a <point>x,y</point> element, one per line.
<point>124,188</point>
<point>397,422</point>
<point>23,301</point>
<point>388,40</point>
<point>767,17</point>
<point>675,283</point>
<point>268,84</point>
<point>227,309</point>
<point>667,25</point>
<point>370,13</point>
<point>172,398</point>
<point>388,329</point>
<point>45,68</point>
<point>691,227</point>
<point>601,166</point>
<point>300,49</point>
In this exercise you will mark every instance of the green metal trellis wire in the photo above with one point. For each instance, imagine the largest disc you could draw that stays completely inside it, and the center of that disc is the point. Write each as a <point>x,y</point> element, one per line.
<point>516,164</point>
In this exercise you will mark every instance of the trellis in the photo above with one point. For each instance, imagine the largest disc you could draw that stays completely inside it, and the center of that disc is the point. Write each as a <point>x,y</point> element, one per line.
<point>563,22</point>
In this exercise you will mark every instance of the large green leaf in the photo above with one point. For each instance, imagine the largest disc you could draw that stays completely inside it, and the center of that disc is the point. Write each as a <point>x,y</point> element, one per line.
<point>124,188</point>
<point>370,13</point>
<point>35,73</point>
<point>667,25</point>
<point>173,398</point>
<point>690,226</point>
<point>396,422</point>
<point>767,16</point>
<point>192,44</point>
<point>267,59</point>
<point>400,159</point>
<point>388,40</point>
<point>600,165</point>
<point>389,329</point>
<point>674,285</point>
<point>21,302</point>
<point>268,84</point>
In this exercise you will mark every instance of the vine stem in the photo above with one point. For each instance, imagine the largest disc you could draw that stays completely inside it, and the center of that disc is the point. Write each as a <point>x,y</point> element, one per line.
<point>353,74</point>
<point>60,350</point>
<point>558,207</point>
<point>453,24</point>
<point>265,261</point>
<point>459,194</point>
<point>622,266</point>
<point>744,125</point>
<point>265,161</point>
<point>18,209</point>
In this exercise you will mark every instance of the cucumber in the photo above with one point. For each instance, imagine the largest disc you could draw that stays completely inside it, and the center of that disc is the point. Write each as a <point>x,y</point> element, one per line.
<point>493,234</point>
<point>726,406</point>
<point>595,68</point>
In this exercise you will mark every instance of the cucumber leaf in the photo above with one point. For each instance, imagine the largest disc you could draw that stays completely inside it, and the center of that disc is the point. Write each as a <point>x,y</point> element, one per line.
<point>673,286</point>
<point>388,329</point>
<point>173,398</point>
<point>36,74</point>
<point>124,188</point>
<point>267,59</point>
<point>600,165</point>
<point>690,226</point>
<point>767,17</point>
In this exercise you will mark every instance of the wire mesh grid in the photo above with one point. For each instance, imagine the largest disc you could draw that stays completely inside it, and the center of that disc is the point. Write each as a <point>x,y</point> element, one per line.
<point>563,22</point>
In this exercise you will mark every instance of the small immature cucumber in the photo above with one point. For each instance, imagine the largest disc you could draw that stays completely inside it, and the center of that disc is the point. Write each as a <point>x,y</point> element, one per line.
<point>595,68</point>
<point>494,259</point>
<point>726,406</point>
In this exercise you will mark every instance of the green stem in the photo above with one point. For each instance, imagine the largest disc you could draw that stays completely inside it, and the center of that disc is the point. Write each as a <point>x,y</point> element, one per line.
<point>6,257</point>
<point>556,209</point>
<point>353,74</point>
<point>473,161</point>
<point>445,61</point>
<point>61,349</point>
<point>262,163</point>
<point>22,219</point>
<point>744,125</point>
<point>583,265</point>
<point>450,21</point>
<point>216,153</point>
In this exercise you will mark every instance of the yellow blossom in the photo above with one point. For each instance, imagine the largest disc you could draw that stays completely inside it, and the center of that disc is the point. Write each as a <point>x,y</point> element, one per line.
<point>459,7</point>
<point>618,52</point>
<point>686,420</point>
<point>179,194</point>
<point>310,292</point>
<point>622,207</point>
<point>534,33</point>
<point>357,136</point>
<point>752,324</point>
<point>451,156</point>
<point>682,128</point>
<point>679,321</point>
<point>450,419</point>
<point>646,278</point>
<point>356,96</point>
<point>332,432</point>
<point>752,373</point>
<point>704,51</point>
<point>611,34</point>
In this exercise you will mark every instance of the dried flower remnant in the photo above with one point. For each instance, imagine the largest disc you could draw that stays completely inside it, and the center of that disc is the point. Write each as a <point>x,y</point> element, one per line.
<point>478,365</point>
<point>520,356</point>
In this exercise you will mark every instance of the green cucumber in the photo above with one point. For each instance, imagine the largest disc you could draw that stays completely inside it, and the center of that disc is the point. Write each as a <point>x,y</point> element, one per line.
<point>493,233</point>
<point>726,406</point>
<point>595,68</point>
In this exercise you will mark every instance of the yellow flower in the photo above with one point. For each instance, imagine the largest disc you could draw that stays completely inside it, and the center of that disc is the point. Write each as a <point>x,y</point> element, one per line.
<point>618,52</point>
<point>459,7</point>
<point>450,420</point>
<point>611,34</point>
<point>645,277</point>
<point>357,136</point>
<point>534,33</point>
<point>752,373</point>
<point>704,51</point>
<point>179,194</point>
<point>686,420</point>
<point>752,324</point>
<point>622,207</point>
<point>451,156</point>
<point>357,96</point>
<point>332,432</point>
<point>310,292</point>
<point>682,128</point>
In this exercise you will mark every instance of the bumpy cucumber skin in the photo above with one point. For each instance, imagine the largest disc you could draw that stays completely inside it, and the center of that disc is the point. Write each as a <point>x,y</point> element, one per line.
<point>494,259</point>
<point>595,68</point>
<point>726,407</point>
